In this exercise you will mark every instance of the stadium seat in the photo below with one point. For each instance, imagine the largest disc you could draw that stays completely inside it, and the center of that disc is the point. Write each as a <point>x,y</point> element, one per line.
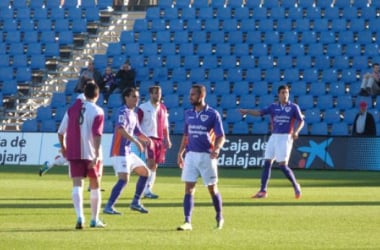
<point>332,116</point>
<point>30,126</point>
<point>48,126</point>
<point>339,129</point>
<point>319,129</point>
<point>265,100</point>
<point>260,127</point>
<point>253,75</point>
<point>114,101</point>
<point>312,115</point>
<point>178,74</point>
<point>273,75</point>
<point>337,89</point>
<point>298,88</point>
<point>172,61</point>
<point>325,102</point>
<point>310,75</point>
<point>222,88</point>
<point>58,99</point>
<point>277,50</point>
<point>169,13</point>
<point>216,75</point>
<point>297,50</point>
<point>303,62</point>
<point>240,128</point>
<point>234,75</point>
<point>289,37</point>
<point>197,75</point>
<point>209,62</point>
<point>341,62</point>
<point>241,88</point>
<point>228,62</point>
<point>305,102</point>
<point>44,113</point>
<point>23,75</point>
<point>291,75</point>
<point>228,101</point>
<point>349,76</point>
<point>176,114</point>
<point>349,115</point>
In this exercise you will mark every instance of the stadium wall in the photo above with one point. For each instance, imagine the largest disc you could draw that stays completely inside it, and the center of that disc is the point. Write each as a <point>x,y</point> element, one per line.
<point>309,152</point>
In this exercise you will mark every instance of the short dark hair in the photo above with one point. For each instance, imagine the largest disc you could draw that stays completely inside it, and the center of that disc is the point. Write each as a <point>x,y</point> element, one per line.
<point>91,90</point>
<point>127,92</point>
<point>375,64</point>
<point>281,87</point>
<point>153,88</point>
<point>200,88</point>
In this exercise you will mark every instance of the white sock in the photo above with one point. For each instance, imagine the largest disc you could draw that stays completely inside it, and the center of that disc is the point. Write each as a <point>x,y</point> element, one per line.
<point>150,182</point>
<point>77,196</point>
<point>96,200</point>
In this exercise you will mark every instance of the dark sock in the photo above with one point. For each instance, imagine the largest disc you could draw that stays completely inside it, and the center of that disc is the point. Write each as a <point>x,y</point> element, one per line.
<point>217,201</point>
<point>265,175</point>
<point>116,191</point>
<point>188,204</point>
<point>140,186</point>
<point>289,174</point>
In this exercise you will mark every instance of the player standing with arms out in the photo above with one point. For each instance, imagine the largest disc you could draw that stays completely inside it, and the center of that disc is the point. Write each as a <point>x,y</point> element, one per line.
<point>153,117</point>
<point>283,114</point>
<point>202,140</point>
<point>80,137</point>
<point>123,159</point>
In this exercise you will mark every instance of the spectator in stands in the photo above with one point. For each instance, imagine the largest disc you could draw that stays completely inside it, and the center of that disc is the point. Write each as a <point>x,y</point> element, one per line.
<point>125,77</point>
<point>89,74</point>
<point>364,123</point>
<point>371,82</point>
<point>109,83</point>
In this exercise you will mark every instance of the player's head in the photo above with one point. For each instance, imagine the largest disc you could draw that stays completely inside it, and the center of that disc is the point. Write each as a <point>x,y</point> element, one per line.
<point>283,93</point>
<point>91,91</point>
<point>130,97</point>
<point>197,94</point>
<point>375,67</point>
<point>155,93</point>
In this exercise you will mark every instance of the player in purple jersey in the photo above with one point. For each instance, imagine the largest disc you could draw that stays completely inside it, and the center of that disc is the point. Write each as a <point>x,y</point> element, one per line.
<point>124,161</point>
<point>80,137</point>
<point>284,115</point>
<point>202,140</point>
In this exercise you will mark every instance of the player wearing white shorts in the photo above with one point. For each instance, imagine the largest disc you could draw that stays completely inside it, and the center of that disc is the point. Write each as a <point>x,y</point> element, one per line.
<point>284,114</point>
<point>123,159</point>
<point>202,140</point>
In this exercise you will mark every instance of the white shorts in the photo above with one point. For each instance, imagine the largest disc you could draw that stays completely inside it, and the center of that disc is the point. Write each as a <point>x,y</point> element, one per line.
<point>279,147</point>
<point>126,164</point>
<point>200,164</point>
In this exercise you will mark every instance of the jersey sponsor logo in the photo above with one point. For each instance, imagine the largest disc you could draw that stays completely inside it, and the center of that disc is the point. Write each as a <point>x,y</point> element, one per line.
<point>121,118</point>
<point>287,109</point>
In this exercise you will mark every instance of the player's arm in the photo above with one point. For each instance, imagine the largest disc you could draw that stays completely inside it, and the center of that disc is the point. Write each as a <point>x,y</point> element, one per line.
<point>62,143</point>
<point>167,141</point>
<point>252,112</point>
<point>130,137</point>
<point>219,142</point>
<point>181,150</point>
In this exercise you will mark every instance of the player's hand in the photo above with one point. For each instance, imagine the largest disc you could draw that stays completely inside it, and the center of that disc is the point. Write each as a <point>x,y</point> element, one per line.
<point>295,136</point>
<point>243,112</point>
<point>168,144</point>
<point>140,147</point>
<point>93,163</point>
<point>180,161</point>
<point>214,153</point>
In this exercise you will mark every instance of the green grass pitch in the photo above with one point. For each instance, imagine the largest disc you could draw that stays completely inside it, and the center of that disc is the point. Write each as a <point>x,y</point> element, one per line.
<point>338,210</point>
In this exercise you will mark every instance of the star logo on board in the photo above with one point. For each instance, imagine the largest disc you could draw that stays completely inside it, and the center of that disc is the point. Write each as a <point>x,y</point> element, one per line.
<point>315,150</point>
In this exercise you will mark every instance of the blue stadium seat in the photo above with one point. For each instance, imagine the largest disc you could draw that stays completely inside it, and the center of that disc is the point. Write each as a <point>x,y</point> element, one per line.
<point>290,37</point>
<point>31,37</point>
<point>176,114</point>
<point>9,87</point>
<point>309,37</point>
<point>4,61</point>
<point>260,127</point>
<point>234,75</point>
<point>216,75</point>
<point>66,38</point>
<point>101,61</point>
<point>178,74</point>
<point>216,37</point>
<point>197,74</point>
<point>187,13</point>
<point>303,62</point>
<point>266,100</point>
<point>228,101</point>
<point>332,116</point>
<point>240,128</point>
<point>247,101</point>
<point>241,88</point>
<point>341,62</point>
<point>179,37</point>
<point>305,102</point>
<point>200,4</point>
<point>344,102</point>
<point>265,62</point>
<point>169,13</point>
<point>273,75</point>
<point>298,88</point>
<point>193,25</point>
<point>357,25</point>
<point>19,60</point>
<point>172,61</point>
<point>186,49</point>
<point>319,129</point>
<point>325,102</point>
<point>48,126</point>
<point>114,101</point>
<point>339,129</point>
<point>108,126</point>
<point>79,26</point>
<point>265,25</point>
<point>59,113</point>
<point>58,99</point>
<point>291,75</point>
<point>247,24</point>
<point>176,25</point>
<point>221,87</point>
<point>132,49</point>
<point>209,62</point>
<point>228,61</point>
<point>30,126</point>
<point>310,75</point>
<point>154,62</point>
<point>260,88</point>
<point>315,49</point>
<point>345,37</point>
<point>253,75</point>
<point>44,113</point>
<point>179,127</point>
<point>337,89</point>
<point>92,14</point>
<point>297,50</point>
<point>277,50</point>
<point>331,13</point>
<point>165,3</point>
<point>114,49</point>
<point>284,62</point>
<point>371,49</point>
<point>312,115</point>
<point>329,75</point>
<point>349,115</point>
<point>349,76</point>
<point>23,75</point>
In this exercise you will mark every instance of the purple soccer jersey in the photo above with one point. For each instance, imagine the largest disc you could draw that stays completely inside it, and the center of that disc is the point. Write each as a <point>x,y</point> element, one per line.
<point>202,128</point>
<point>283,117</point>
<point>127,119</point>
